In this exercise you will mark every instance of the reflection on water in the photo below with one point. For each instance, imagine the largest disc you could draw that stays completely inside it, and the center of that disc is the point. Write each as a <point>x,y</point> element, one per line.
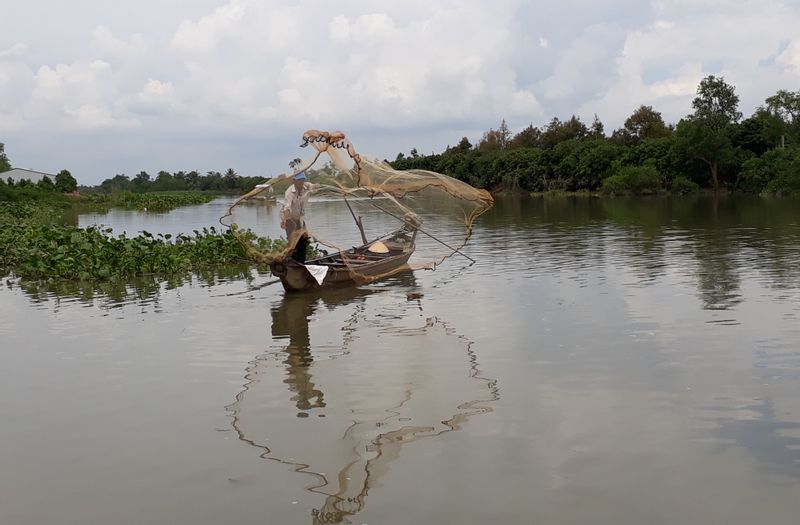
<point>143,290</point>
<point>774,443</point>
<point>389,381</point>
<point>648,352</point>
<point>710,242</point>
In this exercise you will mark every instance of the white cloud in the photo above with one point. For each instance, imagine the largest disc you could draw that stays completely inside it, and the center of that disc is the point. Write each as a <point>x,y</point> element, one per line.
<point>339,28</point>
<point>98,116</point>
<point>81,80</point>
<point>10,122</point>
<point>373,27</point>
<point>78,96</point>
<point>206,34</point>
<point>682,84</point>
<point>156,98</point>
<point>661,65</point>
<point>429,71</point>
<point>14,51</point>
<point>791,57</point>
<point>110,45</point>
<point>582,66</point>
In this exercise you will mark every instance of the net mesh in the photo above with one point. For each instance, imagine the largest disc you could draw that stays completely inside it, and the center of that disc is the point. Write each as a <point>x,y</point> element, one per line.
<point>401,219</point>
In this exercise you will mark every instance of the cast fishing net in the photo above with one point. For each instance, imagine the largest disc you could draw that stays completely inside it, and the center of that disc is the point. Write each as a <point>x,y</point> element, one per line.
<point>433,211</point>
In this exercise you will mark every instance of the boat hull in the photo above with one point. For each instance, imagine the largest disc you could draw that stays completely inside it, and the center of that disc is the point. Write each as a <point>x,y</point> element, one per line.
<point>296,278</point>
<point>353,267</point>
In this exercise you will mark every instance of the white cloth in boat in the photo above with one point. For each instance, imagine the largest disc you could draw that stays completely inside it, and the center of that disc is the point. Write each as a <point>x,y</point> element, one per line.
<point>318,272</point>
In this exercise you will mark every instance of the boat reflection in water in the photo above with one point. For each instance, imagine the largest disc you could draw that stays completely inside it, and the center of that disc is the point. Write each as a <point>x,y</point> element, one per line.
<point>378,376</point>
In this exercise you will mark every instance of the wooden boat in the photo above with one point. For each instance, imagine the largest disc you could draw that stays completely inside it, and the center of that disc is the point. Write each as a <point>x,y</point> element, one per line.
<point>358,265</point>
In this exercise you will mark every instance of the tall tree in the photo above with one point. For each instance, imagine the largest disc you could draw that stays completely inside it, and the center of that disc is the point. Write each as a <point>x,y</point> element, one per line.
<point>119,182</point>
<point>705,135</point>
<point>716,104</point>
<point>141,182</point>
<point>5,165</point>
<point>464,144</point>
<point>759,133</point>
<point>597,130</point>
<point>495,139</point>
<point>646,123</point>
<point>230,179</point>
<point>527,138</point>
<point>65,182</point>
<point>46,184</point>
<point>785,105</point>
<point>557,131</point>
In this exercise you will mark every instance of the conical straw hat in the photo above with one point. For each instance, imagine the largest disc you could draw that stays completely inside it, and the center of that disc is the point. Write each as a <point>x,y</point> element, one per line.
<point>378,247</point>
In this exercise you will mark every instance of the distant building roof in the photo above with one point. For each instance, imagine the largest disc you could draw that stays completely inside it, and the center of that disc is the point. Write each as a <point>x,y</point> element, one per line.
<point>18,174</point>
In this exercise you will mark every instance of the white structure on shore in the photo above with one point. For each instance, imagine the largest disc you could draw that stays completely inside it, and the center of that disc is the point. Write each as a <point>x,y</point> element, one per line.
<point>18,174</point>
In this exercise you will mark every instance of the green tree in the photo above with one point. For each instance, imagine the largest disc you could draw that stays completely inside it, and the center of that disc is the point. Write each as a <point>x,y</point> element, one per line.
<point>597,130</point>
<point>785,105</point>
<point>659,153</point>
<point>192,180</point>
<point>705,135</point>
<point>166,182</point>
<point>5,165</point>
<point>46,184</point>
<point>65,182</point>
<point>759,133</point>
<point>231,179</point>
<point>583,164</point>
<point>141,182</point>
<point>777,171</point>
<point>557,131</point>
<point>716,104</point>
<point>115,184</point>
<point>494,140</point>
<point>646,123</point>
<point>464,145</point>
<point>527,138</point>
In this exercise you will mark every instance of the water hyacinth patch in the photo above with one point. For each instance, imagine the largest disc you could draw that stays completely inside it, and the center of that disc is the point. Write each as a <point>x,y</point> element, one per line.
<point>145,201</point>
<point>34,246</point>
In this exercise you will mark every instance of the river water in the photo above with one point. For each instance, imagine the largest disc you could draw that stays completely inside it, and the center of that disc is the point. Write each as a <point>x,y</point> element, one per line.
<point>603,361</point>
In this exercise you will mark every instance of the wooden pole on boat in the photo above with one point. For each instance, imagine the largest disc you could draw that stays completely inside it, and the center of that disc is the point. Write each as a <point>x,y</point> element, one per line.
<point>358,221</point>
<point>456,250</point>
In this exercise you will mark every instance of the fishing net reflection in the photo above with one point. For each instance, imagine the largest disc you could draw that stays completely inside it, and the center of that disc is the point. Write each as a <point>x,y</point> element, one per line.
<point>342,415</point>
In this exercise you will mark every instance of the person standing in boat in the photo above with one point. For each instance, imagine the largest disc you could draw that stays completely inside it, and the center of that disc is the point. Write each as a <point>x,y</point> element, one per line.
<point>293,215</point>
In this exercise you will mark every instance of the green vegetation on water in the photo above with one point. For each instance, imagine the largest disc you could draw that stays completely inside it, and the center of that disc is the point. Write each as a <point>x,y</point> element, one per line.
<point>146,201</point>
<point>159,202</point>
<point>35,245</point>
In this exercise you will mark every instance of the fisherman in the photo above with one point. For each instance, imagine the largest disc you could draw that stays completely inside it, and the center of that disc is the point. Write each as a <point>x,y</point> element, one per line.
<point>293,215</point>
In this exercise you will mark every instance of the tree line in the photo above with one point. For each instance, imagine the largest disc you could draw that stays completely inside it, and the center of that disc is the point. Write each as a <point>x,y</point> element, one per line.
<point>143,182</point>
<point>712,147</point>
<point>215,181</point>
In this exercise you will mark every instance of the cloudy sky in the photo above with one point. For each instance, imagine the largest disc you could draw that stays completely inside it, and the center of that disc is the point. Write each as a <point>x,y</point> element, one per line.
<point>102,88</point>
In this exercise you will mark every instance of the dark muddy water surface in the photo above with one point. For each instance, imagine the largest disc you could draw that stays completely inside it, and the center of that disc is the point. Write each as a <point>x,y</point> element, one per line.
<point>604,361</point>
